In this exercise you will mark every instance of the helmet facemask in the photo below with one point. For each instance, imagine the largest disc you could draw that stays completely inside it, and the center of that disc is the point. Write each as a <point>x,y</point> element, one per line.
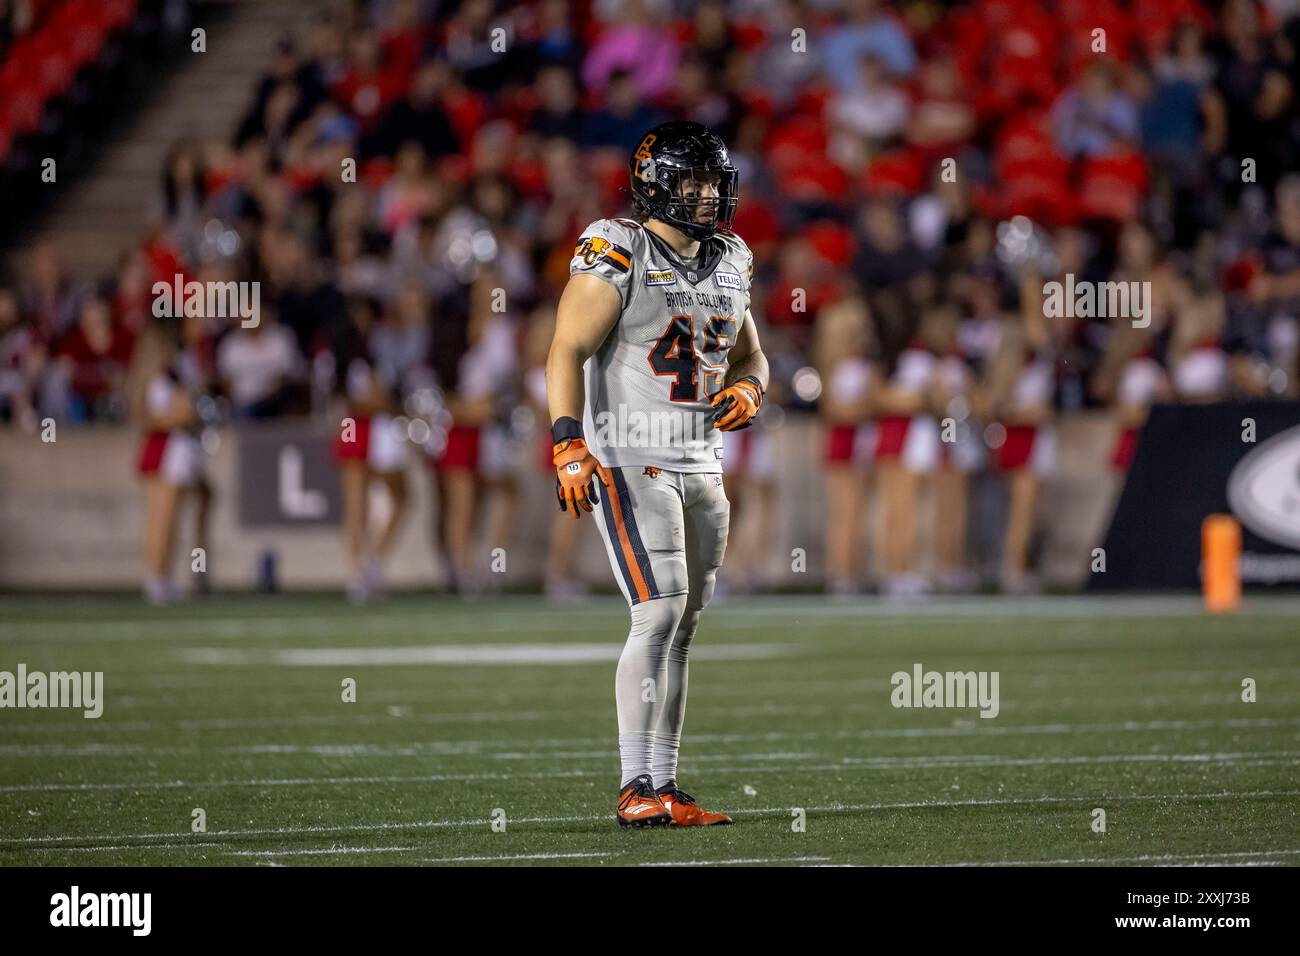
<point>701,199</point>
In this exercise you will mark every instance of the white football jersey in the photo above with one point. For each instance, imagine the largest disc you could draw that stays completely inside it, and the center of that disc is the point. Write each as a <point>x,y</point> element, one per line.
<point>648,384</point>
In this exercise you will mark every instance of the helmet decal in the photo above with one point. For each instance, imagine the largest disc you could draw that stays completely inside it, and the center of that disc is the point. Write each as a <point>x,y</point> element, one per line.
<point>681,174</point>
<point>645,163</point>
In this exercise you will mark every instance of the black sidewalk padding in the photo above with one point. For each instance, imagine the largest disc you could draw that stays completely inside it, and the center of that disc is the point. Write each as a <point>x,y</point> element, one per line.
<point>1187,457</point>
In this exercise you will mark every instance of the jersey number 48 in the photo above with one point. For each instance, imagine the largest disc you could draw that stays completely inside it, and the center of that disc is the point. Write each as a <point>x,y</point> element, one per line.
<point>674,354</point>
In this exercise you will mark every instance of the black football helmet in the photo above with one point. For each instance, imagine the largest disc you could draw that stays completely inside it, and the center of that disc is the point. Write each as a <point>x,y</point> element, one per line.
<point>671,167</point>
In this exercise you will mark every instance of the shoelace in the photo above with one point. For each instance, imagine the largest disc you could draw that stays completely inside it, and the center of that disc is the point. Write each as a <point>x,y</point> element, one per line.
<point>640,790</point>
<point>682,797</point>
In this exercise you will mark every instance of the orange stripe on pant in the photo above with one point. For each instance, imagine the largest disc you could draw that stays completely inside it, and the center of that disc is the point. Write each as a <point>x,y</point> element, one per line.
<point>616,508</point>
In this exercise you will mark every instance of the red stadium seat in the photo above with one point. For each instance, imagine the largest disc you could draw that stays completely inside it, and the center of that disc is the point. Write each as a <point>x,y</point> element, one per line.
<point>1043,166</point>
<point>756,220</point>
<point>467,113</point>
<point>796,142</point>
<point>832,241</point>
<point>117,13</point>
<point>750,34</point>
<point>528,174</point>
<point>22,109</point>
<point>1159,18</point>
<point>815,180</point>
<point>53,70</point>
<point>900,171</point>
<point>812,100</point>
<point>1112,186</point>
<point>759,103</point>
<point>375,172</point>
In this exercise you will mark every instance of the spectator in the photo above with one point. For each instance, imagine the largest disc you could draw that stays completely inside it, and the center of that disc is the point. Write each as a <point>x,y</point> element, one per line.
<point>622,119</point>
<point>93,358</point>
<point>1257,92</point>
<point>558,113</point>
<point>874,112</point>
<point>1095,117</point>
<point>257,366</point>
<point>420,117</point>
<point>46,297</point>
<point>867,32</point>
<point>20,357</point>
<point>475,162</point>
<point>633,44</point>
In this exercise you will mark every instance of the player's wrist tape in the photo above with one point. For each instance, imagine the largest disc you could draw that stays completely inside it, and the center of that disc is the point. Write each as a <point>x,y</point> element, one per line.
<point>565,428</point>
<point>762,394</point>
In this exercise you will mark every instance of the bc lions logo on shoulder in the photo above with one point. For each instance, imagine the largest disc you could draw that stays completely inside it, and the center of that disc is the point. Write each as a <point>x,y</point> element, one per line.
<point>592,249</point>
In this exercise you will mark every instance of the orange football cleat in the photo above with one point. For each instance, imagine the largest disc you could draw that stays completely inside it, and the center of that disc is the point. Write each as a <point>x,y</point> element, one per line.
<point>686,812</point>
<point>638,806</point>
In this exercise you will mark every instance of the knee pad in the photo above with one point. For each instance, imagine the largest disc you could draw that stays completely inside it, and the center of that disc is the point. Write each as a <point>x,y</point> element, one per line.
<point>685,634</point>
<point>654,623</point>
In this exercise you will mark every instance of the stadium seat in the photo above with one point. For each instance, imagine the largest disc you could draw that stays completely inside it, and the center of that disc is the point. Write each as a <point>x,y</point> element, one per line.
<point>899,171</point>
<point>1112,186</point>
<point>832,241</point>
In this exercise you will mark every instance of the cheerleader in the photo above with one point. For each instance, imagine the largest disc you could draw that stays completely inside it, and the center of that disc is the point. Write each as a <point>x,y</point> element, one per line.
<point>368,450</point>
<point>843,349</point>
<point>907,451</point>
<point>960,452</point>
<point>1142,382</point>
<point>170,461</point>
<point>1198,364</point>
<point>750,486</point>
<point>1022,439</point>
<point>477,364</point>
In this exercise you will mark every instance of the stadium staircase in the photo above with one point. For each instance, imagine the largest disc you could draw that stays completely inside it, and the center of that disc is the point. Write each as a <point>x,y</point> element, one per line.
<point>110,208</point>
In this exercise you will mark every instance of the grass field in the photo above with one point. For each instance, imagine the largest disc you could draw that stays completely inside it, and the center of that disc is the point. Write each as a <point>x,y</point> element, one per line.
<point>233,705</point>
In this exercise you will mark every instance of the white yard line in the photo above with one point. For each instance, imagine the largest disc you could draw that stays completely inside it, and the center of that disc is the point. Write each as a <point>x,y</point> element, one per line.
<point>739,769</point>
<point>29,842</point>
<point>997,760</point>
<point>454,654</point>
<point>516,856</point>
<point>1151,858</point>
<point>739,861</point>
<point>965,727</point>
<point>442,619</point>
<point>960,726</point>
<point>327,851</point>
<point>547,750</point>
<point>122,846</point>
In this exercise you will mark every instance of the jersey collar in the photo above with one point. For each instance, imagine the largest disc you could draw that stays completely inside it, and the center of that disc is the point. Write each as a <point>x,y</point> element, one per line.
<point>701,267</point>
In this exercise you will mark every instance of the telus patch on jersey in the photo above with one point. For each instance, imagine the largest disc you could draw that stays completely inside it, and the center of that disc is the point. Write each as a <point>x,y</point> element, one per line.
<point>727,280</point>
<point>660,278</point>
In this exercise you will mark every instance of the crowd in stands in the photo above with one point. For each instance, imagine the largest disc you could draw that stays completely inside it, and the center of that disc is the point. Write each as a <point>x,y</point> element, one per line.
<point>912,175</point>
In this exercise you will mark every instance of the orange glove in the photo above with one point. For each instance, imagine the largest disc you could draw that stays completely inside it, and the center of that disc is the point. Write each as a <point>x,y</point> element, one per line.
<point>575,467</point>
<point>737,404</point>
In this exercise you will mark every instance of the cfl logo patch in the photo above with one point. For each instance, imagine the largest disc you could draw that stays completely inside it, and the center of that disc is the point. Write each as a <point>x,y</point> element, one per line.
<point>573,468</point>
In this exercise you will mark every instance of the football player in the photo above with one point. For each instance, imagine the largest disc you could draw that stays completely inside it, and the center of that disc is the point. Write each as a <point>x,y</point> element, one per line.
<point>655,354</point>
